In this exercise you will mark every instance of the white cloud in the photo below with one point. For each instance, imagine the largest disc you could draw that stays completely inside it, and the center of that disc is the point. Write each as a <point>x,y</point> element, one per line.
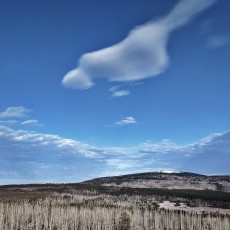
<point>47,154</point>
<point>127,165</point>
<point>164,146</point>
<point>142,54</point>
<point>126,121</point>
<point>120,163</point>
<point>14,112</point>
<point>59,144</point>
<point>214,142</point>
<point>219,143</point>
<point>31,123</point>
<point>114,88</point>
<point>217,41</point>
<point>17,112</point>
<point>8,122</point>
<point>118,93</point>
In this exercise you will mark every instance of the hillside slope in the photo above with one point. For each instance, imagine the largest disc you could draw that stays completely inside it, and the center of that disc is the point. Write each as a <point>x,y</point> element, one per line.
<point>174,180</point>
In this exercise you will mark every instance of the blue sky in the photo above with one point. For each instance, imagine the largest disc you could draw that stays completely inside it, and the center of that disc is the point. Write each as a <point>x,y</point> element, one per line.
<point>99,88</point>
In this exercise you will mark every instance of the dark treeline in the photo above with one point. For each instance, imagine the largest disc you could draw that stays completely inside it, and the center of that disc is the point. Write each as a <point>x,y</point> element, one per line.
<point>192,197</point>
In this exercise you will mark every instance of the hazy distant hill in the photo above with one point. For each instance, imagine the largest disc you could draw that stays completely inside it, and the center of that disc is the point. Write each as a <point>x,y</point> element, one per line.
<point>170,180</point>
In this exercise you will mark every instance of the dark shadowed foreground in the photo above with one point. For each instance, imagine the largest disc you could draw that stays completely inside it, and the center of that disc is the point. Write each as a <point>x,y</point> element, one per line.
<point>96,207</point>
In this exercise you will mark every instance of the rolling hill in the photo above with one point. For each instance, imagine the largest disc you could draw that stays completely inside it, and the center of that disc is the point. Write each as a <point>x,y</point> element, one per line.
<point>166,180</point>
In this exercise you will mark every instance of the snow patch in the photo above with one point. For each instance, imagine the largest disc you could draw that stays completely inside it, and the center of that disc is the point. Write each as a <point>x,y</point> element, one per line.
<point>168,171</point>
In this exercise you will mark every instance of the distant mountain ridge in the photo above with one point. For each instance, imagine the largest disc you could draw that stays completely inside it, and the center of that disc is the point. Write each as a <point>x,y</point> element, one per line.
<point>166,180</point>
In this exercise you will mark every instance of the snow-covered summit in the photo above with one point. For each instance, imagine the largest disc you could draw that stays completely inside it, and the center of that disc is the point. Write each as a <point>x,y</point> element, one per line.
<point>168,171</point>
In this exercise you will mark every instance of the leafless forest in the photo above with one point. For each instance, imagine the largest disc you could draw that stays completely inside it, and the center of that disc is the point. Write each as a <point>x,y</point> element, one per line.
<point>81,208</point>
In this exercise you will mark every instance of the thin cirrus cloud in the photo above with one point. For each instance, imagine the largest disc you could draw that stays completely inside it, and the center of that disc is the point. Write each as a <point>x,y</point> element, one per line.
<point>14,116</point>
<point>8,122</point>
<point>31,123</point>
<point>206,26</point>
<point>118,93</point>
<point>14,112</point>
<point>142,54</point>
<point>218,41</point>
<point>48,154</point>
<point>215,141</point>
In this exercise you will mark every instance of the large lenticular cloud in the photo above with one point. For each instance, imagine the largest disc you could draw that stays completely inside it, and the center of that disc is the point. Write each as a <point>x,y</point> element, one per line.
<point>142,54</point>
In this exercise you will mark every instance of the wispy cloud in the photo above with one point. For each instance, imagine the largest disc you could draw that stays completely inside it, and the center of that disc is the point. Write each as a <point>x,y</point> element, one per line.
<point>120,93</point>
<point>142,54</point>
<point>218,41</point>
<point>8,122</point>
<point>114,88</point>
<point>46,157</point>
<point>31,156</point>
<point>206,26</point>
<point>18,113</point>
<point>167,147</point>
<point>14,112</point>
<point>31,123</point>
<point>124,164</point>
<point>54,142</point>
<point>126,121</point>
<point>163,147</point>
<point>116,92</point>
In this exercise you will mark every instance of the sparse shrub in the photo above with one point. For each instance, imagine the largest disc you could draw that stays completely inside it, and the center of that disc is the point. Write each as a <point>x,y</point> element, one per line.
<point>177,204</point>
<point>124,222</point>
<point>90,209</point>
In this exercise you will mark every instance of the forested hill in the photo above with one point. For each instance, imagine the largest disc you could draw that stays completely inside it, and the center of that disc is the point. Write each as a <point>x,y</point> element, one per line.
<point>169,180</point>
